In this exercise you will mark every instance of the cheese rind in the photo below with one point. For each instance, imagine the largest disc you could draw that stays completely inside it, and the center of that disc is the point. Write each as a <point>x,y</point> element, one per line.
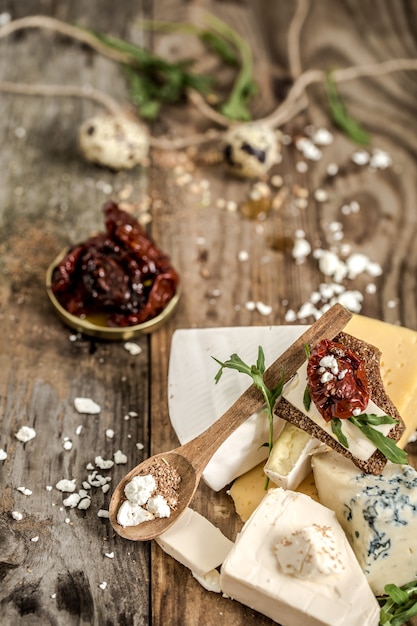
<point>377,513</point>
<point>251,575</point>
<point>195,542</point>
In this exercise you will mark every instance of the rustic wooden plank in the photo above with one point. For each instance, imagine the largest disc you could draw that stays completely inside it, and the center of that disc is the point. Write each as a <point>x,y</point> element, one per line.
<point>49,198</point>
<point>215,236</point>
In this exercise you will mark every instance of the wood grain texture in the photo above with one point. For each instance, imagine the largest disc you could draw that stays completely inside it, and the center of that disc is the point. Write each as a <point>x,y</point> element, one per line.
<point>50,197</point>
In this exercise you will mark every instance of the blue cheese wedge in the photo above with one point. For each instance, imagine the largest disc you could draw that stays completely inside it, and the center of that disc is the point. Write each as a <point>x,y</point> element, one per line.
<point>377,513</point>
<point>293,563</point>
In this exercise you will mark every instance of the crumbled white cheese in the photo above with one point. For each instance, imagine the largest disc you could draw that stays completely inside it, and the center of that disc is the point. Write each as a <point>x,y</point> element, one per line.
<point>84,504</point>
<point>17,516</point>
<point>25,433</point>
<point>35,539</point>
<point>380,159</point>
<point>301,249</point>
<point>321,195</point>
<point>103,463</point>
<point>130,514</point>
<point>72,500</point>
<point>86,405</point>
<point>109,555</point>
<point>103,585</point>
<point>309,150</point>
<point>25,491</point>
<point>78,430</point>
<point>360,157</point>
<point>140,489</point>
<point>67,445</point>
<point>119,457</point>
<point>109,433</point>
<point>133,348</point>
<point>3,454</point>
<point>158,506</point>
<point>65,485</point>
<point>322,137</point>
<point>263,309</point>
<point>103,513</point>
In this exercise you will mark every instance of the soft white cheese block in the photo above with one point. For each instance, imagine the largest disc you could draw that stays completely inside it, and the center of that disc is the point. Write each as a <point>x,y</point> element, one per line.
<point>195,542</point>
<point>252,574</point>
<point>290,459</point>
<point>241,451</point>
<point>196,402</point>
<point>378,514</point>
<point>359,445</point>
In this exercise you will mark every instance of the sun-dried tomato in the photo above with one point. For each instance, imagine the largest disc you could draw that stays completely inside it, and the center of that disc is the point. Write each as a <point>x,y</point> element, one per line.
<point>120,274</point>
<point>337,380</point>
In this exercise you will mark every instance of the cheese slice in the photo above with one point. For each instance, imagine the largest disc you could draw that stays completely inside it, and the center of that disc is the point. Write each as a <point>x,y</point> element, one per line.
<point>377,513</point>
<point>398,346</point>
<point>196,543</point>
<point>258,573</point>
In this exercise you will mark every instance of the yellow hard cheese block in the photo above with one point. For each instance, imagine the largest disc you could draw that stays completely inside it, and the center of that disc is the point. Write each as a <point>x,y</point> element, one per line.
<point>398,364</point>
<point>399,373</point>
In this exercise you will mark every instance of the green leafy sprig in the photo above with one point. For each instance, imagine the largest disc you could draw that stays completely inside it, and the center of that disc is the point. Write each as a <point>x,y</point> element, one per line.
<point>341,117</point>
<point>154,81</point>
<point>399,605</point>
<point>256,372</point>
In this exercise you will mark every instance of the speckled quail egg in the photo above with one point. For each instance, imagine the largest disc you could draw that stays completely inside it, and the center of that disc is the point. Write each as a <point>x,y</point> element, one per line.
<point>251,150</point>
<point>114,141</point>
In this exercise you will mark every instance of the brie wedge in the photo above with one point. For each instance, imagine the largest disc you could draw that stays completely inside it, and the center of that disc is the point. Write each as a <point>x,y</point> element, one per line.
<point>329,589</point>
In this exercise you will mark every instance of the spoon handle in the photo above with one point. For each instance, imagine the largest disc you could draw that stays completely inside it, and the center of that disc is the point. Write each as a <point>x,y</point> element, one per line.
<point>200,449</point>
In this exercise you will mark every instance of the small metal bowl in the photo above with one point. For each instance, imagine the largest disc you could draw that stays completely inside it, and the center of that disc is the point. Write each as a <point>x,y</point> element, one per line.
<point>101,331</point>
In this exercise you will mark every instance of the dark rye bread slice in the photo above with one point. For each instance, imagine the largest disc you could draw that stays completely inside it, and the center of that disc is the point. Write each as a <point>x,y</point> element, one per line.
<point>371,356</point>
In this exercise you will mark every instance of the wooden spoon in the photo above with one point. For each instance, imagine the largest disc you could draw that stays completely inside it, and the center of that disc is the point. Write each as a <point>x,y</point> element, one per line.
<point>190,459</point>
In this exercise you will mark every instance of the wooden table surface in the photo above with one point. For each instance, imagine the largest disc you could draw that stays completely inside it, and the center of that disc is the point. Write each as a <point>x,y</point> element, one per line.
<point>53,563</point>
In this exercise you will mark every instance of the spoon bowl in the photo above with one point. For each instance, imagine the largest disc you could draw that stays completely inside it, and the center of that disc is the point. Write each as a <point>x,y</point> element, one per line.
<point>188,485</point>
<point>190,459</point>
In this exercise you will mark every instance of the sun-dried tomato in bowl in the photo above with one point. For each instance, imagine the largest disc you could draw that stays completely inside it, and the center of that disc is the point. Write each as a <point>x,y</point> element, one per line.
<point>119,274</point>
<point>337,380</point>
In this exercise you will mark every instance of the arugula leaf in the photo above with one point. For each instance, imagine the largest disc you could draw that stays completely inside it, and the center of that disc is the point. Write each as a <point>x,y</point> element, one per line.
<point>256,372</point>
<point>387,446</point>
<point>307,398</point>
<point>340,116</point>
<point>244,88</point>
<point>399,605</point>
<point>152,80</point>
<point>336,426</point>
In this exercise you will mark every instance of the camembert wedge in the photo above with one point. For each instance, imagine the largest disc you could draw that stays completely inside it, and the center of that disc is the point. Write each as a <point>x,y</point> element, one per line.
<point>293,563</point>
